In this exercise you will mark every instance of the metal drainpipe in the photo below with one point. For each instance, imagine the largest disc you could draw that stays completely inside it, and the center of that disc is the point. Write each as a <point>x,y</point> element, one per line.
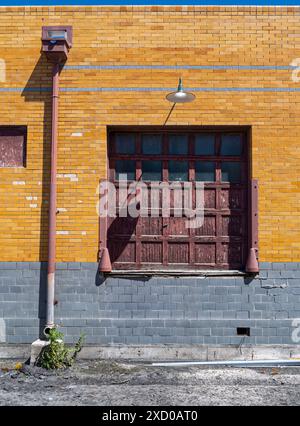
<point>52,202</point>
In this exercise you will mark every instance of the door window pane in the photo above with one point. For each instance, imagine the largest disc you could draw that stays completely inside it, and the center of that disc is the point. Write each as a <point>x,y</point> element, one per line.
<point>178,144</point>
<point>125,143</point>
<point>152,170</point>
<point>205,144</point>
<point>205,171</point>
<point>125,169</point>
<point>231,172</point>
<point>151,144</point>
<point>178,171</point>
<point>231,144</point>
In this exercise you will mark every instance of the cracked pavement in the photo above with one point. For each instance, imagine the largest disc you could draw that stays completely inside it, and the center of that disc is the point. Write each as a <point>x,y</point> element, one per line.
<point>107,383</point>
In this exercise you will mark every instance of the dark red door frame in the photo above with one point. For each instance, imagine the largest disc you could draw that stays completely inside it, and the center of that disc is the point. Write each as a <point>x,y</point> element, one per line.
<point>103,253</point>
<point>251,264</point>
<point>252,260</point>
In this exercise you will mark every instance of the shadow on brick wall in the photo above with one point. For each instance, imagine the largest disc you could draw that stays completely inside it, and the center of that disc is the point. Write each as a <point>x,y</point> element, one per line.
<point>38,90</point>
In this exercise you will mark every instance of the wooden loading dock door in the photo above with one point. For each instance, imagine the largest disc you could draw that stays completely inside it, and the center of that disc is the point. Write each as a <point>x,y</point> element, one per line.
<point>219,159</point>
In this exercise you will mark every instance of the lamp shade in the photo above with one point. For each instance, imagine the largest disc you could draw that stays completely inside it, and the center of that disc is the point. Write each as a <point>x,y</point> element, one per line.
<point>180,96</point>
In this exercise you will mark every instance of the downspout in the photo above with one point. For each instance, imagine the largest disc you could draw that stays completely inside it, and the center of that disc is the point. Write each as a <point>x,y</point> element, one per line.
<point>56,43</point>
<point>52,201</point>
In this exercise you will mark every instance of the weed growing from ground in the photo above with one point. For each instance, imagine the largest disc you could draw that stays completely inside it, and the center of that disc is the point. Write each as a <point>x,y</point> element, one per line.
<point>56,354</point>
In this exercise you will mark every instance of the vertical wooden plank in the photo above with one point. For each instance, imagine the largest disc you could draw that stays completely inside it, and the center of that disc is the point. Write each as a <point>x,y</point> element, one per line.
<point>218,174</point>
<point>138,177</point>
<point>218,204</point>
<point>192,178</point>
<point>138,242</point>
<point>165,220</point>
<point>218,223</point>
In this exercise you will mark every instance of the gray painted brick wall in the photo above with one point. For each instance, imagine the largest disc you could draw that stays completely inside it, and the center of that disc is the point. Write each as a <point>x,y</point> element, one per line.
<point>157,310</point>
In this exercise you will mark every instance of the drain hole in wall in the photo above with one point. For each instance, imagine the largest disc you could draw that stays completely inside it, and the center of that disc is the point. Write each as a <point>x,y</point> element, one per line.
<point>243,331</point>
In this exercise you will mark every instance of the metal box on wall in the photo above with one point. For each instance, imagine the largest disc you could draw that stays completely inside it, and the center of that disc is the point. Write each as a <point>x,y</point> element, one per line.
<point>56,42</point>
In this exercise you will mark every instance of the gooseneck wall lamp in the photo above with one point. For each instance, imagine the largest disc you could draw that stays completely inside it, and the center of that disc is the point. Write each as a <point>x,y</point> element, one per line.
<point>56,43</point>
<point>180,96</point>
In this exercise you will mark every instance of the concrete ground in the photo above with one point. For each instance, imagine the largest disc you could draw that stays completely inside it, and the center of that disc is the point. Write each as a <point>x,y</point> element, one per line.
<point>114,383</point>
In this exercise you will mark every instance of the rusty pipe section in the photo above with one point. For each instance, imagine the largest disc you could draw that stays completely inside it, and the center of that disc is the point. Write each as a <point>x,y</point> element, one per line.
<point>52,201</point>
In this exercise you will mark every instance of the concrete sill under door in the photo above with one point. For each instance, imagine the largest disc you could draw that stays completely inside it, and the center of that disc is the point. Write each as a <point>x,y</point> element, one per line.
<point>178,273</point>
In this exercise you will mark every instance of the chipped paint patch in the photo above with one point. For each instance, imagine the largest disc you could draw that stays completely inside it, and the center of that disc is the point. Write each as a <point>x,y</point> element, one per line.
<point>2,331</point>
<point>31,198</point>
<point>62,232</point>
<point>33,206</point>
<point>77,134</point>
<point>83,233</point>
<point>72,176</point>
<point>19,182</point>
<point>2,71</point>
<point>61,209</point>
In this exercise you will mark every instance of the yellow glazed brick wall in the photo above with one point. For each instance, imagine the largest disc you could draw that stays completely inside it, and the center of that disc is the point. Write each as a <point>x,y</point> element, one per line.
<point>145,36</point>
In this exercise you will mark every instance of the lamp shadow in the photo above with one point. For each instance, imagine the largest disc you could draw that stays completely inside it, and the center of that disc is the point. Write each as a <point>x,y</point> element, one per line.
<point>169,114</point>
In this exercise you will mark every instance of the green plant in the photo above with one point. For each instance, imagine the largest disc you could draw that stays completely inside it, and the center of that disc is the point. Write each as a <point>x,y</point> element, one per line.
<point>56,355</point>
